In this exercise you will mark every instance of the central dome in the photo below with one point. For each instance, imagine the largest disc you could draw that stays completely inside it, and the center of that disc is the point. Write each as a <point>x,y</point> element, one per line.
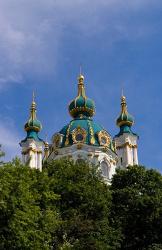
<point>81,106</point>
<point>82,129</point>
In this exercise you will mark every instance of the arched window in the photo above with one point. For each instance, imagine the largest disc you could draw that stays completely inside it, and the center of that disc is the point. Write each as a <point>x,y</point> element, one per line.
<point>105,169</point>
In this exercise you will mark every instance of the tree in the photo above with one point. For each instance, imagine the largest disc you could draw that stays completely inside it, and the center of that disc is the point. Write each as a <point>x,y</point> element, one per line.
<point>28,215</point>
<point>2,154</point>
<point>84,205</point>
<point>66,206</point>
<point>137,207</point>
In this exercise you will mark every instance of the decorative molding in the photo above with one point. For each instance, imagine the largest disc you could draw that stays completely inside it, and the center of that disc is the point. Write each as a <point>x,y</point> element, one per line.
<point>104,138</point>
<point>92,138</point>
<point>79,132</point>
<point>31,149</point>
<point>126,144</point>
<point>57,139</point>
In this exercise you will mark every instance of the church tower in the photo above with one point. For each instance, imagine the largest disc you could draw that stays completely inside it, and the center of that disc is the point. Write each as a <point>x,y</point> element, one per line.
<point>126,140</point>
<point>32,145</point>
<point>84,139</point>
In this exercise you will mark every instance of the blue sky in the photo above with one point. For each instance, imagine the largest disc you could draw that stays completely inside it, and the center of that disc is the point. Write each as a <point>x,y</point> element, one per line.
<point>118,43</point>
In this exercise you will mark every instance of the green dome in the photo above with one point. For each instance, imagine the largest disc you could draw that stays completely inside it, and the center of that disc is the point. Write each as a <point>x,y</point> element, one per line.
<point>125,119</point>
<point>81,106</point>
<point>88,128</point>
<point>82,129</point>
<point>34,125</point>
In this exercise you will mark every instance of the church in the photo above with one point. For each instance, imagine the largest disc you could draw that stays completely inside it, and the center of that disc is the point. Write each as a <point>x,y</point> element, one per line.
<point>82,138</point>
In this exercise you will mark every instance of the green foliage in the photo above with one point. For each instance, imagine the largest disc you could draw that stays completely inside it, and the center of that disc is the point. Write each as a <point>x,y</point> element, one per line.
<point>2,154</point>
<point>68,206</point>
<point>137,207</point>
<point>155,247</point>
<point>84,205</point>
<point>28,214</point>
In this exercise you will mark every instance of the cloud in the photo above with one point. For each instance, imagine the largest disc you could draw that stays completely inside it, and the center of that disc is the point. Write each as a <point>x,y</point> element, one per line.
<point>9,139</point>
<point>32,32</point>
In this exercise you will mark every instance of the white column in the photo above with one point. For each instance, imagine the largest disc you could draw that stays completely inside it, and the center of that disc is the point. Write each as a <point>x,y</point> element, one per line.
<point>126,155</point>
<point>32,159</point>
<point>39,161</point>
<point>135,156</point>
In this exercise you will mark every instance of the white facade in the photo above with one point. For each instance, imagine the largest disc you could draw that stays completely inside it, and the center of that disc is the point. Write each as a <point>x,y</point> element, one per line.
<point>103,157</point>
<point>126,147</point>
<point>83,139</point>
<point>32,152</point>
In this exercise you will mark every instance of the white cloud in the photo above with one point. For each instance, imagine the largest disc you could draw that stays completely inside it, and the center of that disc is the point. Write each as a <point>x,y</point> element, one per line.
<point>9,139</point>
<point>31,32</point>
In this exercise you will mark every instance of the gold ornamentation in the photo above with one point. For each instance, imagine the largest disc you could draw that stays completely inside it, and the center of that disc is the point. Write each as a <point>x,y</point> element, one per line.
<point>79,146</point>
<point>81,89</point>
<point>82,109</point>
<point>57,139</point>
<point>92,138</point>
<point>126,144</point>
<point>67,135</point>
<point>104,138</point>
<point>79,135</point>
<point>31,150</point>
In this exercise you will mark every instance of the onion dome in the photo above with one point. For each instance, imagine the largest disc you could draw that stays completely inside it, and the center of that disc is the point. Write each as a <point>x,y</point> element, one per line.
<point>82,129</point>
<point>81,106</point>
<point>125,120</point>
<point>33,125</point>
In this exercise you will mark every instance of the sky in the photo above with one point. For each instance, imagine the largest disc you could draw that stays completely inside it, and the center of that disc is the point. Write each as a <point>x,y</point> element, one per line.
<point>119,45</point>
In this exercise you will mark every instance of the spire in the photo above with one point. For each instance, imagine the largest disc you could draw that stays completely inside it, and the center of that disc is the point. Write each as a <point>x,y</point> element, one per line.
<point>125,118</point>
<point>123,105</point>
<point>33,108</point>
<point>81,88</point>
<point>33,124</point>
<point>81,106</point>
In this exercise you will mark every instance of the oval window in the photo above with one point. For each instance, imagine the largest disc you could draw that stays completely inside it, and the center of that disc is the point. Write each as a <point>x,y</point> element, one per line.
<point>103,140</point>
<point>79,137</point>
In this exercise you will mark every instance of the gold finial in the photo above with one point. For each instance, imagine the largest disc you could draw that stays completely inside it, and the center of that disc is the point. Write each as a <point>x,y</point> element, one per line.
<point>81,88</point>
<point>33,107</point>
<point>123,104</point>
<point>46,148</point>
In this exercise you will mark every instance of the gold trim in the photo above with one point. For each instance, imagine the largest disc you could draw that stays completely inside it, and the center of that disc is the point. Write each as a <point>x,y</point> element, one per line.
<point>125,123</point>
<point>79,146</point>
<point>67,135</point>
<point>106,136</point>
<point>126,144</point>
<point>77,131</point>
<point>92,139</point>
<point>57,140</point>
<point>30,149</point>
<point>82,109</point>
<point>32,127</point>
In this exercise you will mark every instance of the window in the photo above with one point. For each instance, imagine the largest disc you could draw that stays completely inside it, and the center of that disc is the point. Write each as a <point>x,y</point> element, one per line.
<point>79,137</point>
<point>104,169</point>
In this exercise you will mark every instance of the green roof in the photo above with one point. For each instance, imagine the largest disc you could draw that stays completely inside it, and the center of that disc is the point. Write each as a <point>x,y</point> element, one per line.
<point>84,123</point>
